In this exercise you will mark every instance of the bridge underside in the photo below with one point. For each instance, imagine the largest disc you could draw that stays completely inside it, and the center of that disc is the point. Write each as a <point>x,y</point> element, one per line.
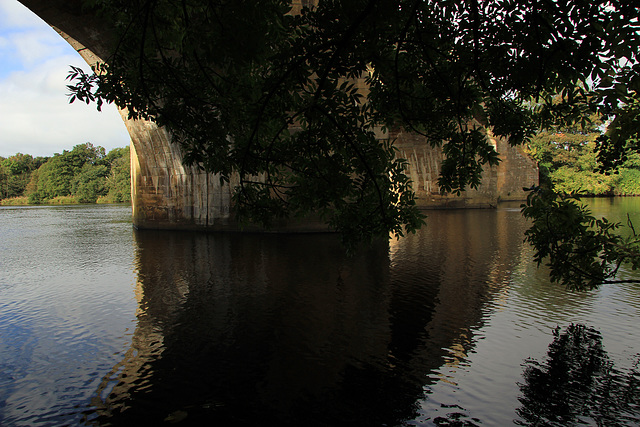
<point>168,195</point>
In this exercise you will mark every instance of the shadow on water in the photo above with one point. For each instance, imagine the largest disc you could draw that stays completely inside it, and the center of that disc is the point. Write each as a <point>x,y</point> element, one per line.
<point>250,329</point>
<point>264,329</point>
<point>578,384</point>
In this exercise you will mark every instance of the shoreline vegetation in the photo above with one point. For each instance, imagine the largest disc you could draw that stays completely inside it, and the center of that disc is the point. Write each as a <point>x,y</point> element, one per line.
<point>568,163</point>
<point>87,175</point>
<point>57,201</point>
<point>84,175</point>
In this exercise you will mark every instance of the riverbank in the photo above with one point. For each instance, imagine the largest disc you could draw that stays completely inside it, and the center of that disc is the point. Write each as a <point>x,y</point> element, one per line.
<point>60,200</point>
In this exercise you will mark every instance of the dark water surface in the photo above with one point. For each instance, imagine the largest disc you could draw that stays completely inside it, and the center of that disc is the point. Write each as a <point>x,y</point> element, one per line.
<point>101,324</point>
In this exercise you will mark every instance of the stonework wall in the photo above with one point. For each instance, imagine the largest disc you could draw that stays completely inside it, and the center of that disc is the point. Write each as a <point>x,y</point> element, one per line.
<point>167,194</point>
<point>499,183</point>
<point>517,170</point>
<point>424,170</point>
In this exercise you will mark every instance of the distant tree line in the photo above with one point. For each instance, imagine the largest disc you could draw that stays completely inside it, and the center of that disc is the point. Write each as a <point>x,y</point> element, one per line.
<point>568,163</point>
<point>86,174</point>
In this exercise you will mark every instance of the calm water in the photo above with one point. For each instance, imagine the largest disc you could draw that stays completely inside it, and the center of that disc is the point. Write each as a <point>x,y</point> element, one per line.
<point>101,324</point>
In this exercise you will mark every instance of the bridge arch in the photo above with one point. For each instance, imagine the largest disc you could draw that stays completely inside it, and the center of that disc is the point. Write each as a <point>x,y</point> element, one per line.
<point>169,195</point>
<point>165,193</point>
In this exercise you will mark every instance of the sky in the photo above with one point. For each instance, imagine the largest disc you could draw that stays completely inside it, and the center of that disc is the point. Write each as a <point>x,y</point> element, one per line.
<point>35,115</point>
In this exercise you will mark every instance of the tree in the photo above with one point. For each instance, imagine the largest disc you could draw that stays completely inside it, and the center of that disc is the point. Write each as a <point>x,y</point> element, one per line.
<point>567,160</point>
<point>119,179</point>
<point>289,99</point>
<point>67,173</point>
<point>90,183</point>
<point>582,251</point>
<point>54,177</point>
<point>82,154</point>
<point>628,181</point>
<point>4,175</point>
<point>17,172</point>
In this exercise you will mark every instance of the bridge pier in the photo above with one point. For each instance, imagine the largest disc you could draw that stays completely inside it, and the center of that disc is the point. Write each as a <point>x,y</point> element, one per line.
<point>166,194</point>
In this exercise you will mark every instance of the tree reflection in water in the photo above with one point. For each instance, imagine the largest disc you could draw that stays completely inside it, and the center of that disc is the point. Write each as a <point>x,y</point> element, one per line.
<point>456,419</point>
<point>578,384</point>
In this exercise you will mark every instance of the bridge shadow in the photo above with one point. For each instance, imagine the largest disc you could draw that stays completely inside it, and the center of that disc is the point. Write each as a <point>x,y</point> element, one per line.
<point>287,329</point>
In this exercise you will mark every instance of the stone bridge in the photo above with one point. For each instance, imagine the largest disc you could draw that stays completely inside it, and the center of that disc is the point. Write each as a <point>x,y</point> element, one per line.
<point>168,195</point>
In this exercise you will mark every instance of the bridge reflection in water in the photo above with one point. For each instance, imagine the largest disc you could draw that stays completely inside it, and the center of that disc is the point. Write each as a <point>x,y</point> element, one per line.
<point>288,329</point>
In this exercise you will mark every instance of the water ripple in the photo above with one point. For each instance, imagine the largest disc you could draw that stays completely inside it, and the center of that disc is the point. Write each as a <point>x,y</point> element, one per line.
<point>116,327</point>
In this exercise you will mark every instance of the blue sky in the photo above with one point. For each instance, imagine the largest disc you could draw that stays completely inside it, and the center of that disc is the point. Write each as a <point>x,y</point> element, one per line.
<point>35,116</point>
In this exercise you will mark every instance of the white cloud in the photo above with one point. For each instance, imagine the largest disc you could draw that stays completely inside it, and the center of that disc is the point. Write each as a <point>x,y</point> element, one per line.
<point>35,116</point>
<point>34,46</point>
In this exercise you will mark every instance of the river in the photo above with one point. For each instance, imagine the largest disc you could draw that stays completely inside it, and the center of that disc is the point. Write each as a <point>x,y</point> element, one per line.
<point>101,324</point>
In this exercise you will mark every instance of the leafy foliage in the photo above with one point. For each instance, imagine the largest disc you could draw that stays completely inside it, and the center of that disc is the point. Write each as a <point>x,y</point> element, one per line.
<point>83,175</point>
<point>628,182</point>
<point>90,183</point>
<point>568,163</point>
<point>118,181</point>
<point>15,172</point>
<point>55,177</point>
<point>293,101</point>
<point>581,251</point>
